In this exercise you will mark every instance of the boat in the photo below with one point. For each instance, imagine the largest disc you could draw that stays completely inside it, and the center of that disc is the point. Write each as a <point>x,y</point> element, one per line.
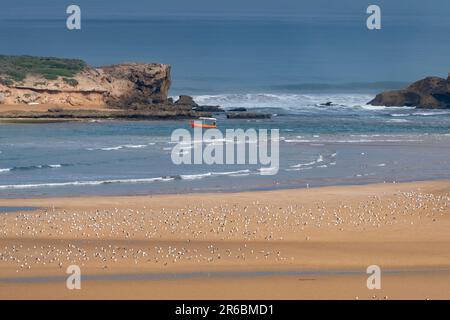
<point>205,123</point>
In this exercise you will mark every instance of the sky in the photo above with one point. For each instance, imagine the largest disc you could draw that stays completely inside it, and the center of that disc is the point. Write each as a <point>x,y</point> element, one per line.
<point>54,9</point>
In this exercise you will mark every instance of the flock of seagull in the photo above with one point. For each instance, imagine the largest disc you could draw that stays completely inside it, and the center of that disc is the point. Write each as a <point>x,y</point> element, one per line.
<point>202,234</point>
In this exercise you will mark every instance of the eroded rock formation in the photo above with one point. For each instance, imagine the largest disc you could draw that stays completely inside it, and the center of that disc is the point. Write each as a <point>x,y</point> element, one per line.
<point>118,86</point>
<point>431,92</point>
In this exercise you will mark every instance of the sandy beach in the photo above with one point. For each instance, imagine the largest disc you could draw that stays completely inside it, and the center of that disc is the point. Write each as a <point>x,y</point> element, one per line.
<point>287,244</point>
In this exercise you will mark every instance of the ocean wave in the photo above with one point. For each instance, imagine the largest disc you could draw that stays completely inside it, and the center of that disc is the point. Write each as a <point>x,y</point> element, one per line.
<point>230,173</point>
<point>299,103</point>
<point>125,181</point>
<point>370,107</point>
<point>298,169</point>
<point>35,167</point>
<point>195,176</point>
<point>353,140</point>
<point>303,164</point>
<point>397,120</point>
<point>400,114</point>
<point>268,170</point>
<point>431,113</point>
<point>319,160</point>
<point>125,146</point>
<point>82,183</point>
<point>285,101</point>
<point>240,175</point>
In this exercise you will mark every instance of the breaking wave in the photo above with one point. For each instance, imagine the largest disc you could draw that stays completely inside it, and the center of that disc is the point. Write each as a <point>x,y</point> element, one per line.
<point>36,167</point>
<point>297,103</point>
<point>124,181</point>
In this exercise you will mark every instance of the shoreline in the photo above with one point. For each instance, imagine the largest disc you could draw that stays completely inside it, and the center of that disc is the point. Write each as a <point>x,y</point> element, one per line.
<point>285,240</point>
<point>264,188</point>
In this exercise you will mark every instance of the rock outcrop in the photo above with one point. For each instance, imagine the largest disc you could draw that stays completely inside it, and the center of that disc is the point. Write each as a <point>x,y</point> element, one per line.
<point>43,87</point>
<point>186,101</point>
<point>248,115</point>
<point>119,86</point>
<point>431,93</point>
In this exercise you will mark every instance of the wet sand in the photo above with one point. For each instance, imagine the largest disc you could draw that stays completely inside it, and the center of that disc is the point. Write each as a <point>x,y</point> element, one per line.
<point>284,244</point>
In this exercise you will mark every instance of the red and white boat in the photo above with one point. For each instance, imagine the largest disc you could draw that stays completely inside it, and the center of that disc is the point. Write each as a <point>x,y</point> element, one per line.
<point>205,123</point>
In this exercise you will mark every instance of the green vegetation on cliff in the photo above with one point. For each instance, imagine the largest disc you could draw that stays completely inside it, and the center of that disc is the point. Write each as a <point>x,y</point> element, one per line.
<point>16,68</point>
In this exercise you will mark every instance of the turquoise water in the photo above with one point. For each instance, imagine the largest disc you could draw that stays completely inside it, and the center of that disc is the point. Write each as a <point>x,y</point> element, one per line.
<point>336,145</point>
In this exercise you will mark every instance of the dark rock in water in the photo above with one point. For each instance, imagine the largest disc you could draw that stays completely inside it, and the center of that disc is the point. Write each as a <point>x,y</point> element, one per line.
<point>213,109</point>
<point>55,110</point>
<point>186,101</point>
<point>238,110</point>
<point>430,93</point>
<point>248,115</point>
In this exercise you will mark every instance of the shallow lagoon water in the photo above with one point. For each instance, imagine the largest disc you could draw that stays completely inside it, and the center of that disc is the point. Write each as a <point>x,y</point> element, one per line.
<point>344,144</point>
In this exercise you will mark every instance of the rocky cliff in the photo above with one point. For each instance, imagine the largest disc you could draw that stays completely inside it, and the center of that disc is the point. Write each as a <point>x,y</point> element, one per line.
<point>431,93</point>
<point>51,81</point>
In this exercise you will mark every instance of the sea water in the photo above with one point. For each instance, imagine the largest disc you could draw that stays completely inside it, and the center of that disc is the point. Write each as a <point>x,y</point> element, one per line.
<point>287,67</point>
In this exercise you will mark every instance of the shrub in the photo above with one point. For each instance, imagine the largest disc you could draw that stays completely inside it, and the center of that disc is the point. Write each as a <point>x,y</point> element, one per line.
<point>71,82</point>
<point>16,68</point>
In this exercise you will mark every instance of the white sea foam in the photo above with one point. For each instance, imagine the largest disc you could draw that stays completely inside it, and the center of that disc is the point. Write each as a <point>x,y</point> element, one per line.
<point>354,140</point>
<point>370,107</point>
<point>303,164</point>
<point>286,101</point>
<point>40,166</point>
<point>230,173</point>
<point>297,141</point>
<point>137,146</point>
<point>430,113</point>
<point>83,183</point>
<point>400,114</point>
<point>300,165</point>
<point>195,176</point>
<point>398,120</point>
<point>237,173</point>
<point>268,170</point>
<point>115,148</point>
<point>240,175</point>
